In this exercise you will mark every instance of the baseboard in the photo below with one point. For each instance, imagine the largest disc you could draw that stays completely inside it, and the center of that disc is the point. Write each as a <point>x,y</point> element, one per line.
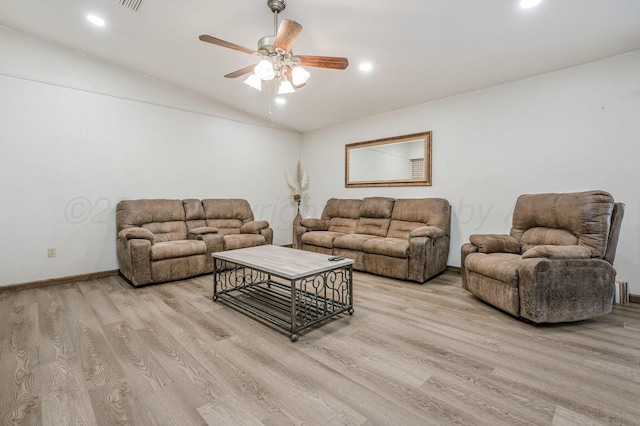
<point>453,269</point>
<point>57,281</point>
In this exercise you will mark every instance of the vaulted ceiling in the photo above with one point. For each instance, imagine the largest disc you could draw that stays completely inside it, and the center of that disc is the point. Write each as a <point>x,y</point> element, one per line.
<point>421,50</point>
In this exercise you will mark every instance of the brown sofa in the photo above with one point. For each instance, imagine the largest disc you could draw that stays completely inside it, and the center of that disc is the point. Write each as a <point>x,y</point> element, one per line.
<point>557,263</point>
<point>166,240</point>
<point>407,239</point>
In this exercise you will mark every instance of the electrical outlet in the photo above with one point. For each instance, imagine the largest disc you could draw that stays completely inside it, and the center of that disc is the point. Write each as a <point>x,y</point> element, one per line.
<point>51,252</point>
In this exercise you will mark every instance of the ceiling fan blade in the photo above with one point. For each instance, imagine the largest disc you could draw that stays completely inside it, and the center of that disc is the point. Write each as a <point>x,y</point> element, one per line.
<point>219,42</point>
<point>241,72</point>
<point>324,62</point>
<point>287,34</point>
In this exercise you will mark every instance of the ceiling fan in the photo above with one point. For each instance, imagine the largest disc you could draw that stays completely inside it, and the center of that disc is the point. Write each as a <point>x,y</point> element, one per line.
<point>277,59</point>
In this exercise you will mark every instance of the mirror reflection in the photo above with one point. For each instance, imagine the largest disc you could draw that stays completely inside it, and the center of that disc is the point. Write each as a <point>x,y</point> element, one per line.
<point>398,161</point>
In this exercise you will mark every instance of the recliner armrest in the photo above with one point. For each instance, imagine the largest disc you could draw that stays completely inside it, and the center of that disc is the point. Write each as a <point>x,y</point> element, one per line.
<point>137,233</point>
<point>197,233</point>
<point>254,227</point>
<point>495,243</point>
<point>427,231</point>
<point>313,224</point>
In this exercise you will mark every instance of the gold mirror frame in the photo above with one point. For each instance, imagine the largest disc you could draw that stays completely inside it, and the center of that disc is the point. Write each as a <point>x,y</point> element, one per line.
<point>366,162</point>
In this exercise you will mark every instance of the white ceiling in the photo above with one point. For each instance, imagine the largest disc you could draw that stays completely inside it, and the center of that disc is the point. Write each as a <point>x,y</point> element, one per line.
<point>421,50</point>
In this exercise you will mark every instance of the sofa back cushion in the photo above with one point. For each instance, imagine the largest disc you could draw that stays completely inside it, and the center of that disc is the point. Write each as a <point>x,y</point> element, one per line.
<point>584,215</point>
<point>411,213</point>
<point>194,213</point>
<point>164,218</point>
<point>227,214</point>
<point>375,215</point>
<point>342,214</point>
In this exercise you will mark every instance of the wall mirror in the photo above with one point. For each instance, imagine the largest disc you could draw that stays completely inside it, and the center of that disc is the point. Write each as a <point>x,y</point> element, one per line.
<point>397,161</point>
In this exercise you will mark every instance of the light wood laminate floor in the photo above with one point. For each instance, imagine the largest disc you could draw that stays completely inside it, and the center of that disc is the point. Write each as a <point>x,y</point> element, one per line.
<point>103,352</point>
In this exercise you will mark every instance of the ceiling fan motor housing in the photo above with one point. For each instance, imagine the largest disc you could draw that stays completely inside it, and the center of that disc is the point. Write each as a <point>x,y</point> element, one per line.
<point>276,6</point>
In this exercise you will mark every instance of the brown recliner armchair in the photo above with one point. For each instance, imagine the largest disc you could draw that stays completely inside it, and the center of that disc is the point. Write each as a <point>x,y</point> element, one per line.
<point>557,263</point>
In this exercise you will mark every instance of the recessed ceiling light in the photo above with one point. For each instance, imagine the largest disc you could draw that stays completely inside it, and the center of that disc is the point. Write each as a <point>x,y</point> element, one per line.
<point>96,20</point>
<point>365,66</point>
<point>526,4</point>
<point>281,101</point>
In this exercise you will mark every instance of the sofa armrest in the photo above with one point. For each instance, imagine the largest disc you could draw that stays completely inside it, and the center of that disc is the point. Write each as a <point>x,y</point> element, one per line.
<point>495,243</point>
<point>427,231</point>
<point>313,224</point>
<point>197,233</point>
<point>557,252</point>
<point>254,227</point>
<point>136,233</point>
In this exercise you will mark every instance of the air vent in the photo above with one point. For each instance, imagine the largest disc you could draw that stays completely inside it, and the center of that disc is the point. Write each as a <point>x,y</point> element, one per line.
<point>131,4</point>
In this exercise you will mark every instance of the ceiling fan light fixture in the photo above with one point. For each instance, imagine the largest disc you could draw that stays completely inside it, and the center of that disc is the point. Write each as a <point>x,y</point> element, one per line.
<point>299,75</point>
<point>264,70</point>
<point>254,81</point>
<point>527,4</point>
<point>285,87</point>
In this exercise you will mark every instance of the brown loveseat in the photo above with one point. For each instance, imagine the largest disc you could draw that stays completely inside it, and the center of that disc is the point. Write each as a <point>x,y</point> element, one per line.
<point>407,239</point>
<point>556,264</point>
<point>167,240</point>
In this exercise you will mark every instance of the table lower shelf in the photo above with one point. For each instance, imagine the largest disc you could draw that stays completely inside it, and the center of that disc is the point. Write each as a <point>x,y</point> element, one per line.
<point>292,306</point>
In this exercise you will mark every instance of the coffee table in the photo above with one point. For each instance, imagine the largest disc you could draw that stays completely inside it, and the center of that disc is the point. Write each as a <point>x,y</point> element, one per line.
<point>289,288</point>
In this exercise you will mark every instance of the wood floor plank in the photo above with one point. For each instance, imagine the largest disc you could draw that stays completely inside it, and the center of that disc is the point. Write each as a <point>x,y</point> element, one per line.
<point>103,352</point>
<point>20,391</point>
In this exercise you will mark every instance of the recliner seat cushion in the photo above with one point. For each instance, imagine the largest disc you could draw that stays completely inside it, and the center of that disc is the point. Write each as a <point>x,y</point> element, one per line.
<point>499,266</point>
<point>172,249</point>
<point>320,238</point>
<point>236,241</point>
<point>352,241</point>
<point>392,247</point>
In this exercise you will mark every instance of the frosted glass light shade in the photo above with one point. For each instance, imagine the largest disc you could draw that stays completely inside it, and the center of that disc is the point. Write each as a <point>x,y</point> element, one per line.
<point>264,70</point>
<point>526,4</point>
<point>254,81</point>
<point>285,87</point>
<point>299,75</point>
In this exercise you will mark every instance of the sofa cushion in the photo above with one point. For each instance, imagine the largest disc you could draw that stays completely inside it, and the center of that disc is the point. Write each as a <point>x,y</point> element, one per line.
<point>546,236</point>
<point>558,252</point>
<point>372,226</point>
<point>320,238</point>
<point>426,211</point>
<point>343,225</point>
<point>171,249</point>
<point>393,247</point>
<point>237,241</point>
<point>167,231</point>
<point>234,209</point>
<point>499,266</point>
<point>225,226</point>
<point>352,241</point>
<point>164,218</point>
<point>586,215</point>
<point>402,229</point>
<point>347,208</point>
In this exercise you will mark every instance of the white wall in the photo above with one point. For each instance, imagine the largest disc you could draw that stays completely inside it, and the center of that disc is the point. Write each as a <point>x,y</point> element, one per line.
<point>571,130</point>
<point>77,135</point>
